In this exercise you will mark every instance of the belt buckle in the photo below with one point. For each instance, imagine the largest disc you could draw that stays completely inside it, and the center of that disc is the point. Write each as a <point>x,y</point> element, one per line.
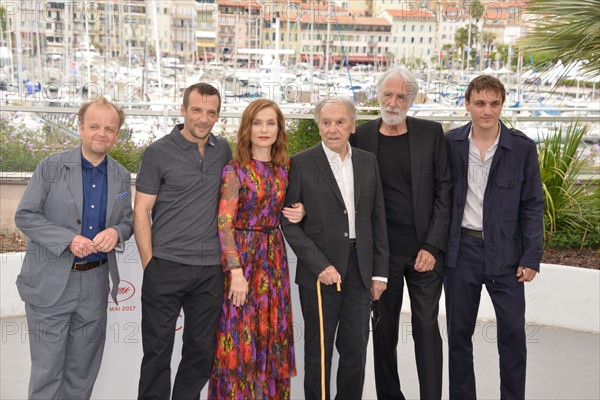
<point>77,265</point>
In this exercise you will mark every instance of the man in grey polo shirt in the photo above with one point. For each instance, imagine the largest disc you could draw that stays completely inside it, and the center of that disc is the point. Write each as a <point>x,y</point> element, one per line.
<point>178,186</point>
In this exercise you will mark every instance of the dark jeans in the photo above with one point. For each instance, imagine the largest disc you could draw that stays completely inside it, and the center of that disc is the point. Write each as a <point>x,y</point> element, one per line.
<point>167,287</point>
<point>463,291</point>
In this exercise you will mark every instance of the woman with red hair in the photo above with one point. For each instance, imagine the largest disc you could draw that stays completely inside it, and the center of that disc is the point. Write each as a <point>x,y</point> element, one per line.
<point>254,354</point>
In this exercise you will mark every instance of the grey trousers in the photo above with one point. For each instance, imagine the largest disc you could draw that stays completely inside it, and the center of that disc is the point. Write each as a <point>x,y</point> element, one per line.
<point>67,339</point>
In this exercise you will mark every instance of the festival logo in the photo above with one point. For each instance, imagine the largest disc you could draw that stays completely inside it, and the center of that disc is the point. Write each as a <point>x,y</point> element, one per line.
<point>125,292</point>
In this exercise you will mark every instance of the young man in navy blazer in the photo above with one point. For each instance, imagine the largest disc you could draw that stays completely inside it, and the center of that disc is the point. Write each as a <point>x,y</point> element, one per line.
<point>496,232</point>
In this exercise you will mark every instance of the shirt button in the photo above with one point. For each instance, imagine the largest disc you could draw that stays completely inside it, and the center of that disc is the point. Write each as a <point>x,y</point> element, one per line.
<point>93,206</point>
<point>345,211</point>
<point>90,227</point>
<point>93,186</point>
<point>345,234</point>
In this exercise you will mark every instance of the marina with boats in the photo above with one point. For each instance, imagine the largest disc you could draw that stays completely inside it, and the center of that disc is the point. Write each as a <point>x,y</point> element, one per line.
<point>41,85</point>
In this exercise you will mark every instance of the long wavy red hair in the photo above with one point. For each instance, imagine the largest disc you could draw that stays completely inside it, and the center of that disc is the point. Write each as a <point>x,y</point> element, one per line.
<point>243,148</point>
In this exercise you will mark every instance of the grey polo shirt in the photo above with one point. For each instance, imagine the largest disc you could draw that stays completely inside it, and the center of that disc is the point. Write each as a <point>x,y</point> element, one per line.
<point>184,217</point>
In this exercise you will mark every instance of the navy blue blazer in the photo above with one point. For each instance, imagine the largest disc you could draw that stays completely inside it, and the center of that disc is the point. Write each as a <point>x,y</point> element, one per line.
<point>513,206</point>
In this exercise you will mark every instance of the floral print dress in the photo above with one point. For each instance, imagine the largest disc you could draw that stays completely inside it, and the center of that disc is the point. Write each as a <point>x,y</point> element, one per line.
<point>254,353</point>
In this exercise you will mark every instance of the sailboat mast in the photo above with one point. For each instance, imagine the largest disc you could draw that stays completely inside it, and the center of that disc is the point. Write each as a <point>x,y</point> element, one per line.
<point>87,43</point>
<point>157,44</point>
<point>312,38</point>
<point>327,38</point>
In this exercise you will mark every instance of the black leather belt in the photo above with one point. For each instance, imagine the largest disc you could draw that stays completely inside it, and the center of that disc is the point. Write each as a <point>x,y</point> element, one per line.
<point>87,265</point>
<point>352,243</point>
<point>473,233</point>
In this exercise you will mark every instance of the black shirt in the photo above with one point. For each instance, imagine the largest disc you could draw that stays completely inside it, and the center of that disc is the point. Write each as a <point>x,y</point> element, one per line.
<point>395,169</point>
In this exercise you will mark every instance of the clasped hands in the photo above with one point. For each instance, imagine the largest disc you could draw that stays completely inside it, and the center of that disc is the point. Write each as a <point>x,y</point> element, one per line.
<point>103,242</point>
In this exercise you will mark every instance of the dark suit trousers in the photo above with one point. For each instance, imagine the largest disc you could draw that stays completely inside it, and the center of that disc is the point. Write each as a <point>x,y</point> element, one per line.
<point>424,289</point>
<point>463,291</point>
<point>166,288</point>
<point>347,311</point>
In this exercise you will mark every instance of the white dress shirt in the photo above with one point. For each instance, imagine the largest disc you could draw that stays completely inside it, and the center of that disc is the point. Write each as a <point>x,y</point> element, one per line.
<point>477,175</point>
<point>343,171</point>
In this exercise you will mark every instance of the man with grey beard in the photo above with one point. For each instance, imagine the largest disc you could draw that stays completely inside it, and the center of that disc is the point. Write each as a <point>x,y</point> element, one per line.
<point>416,180</point>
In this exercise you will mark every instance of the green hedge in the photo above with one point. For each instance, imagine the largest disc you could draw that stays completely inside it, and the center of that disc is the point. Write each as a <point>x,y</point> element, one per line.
<point>21,149</point>
<point>572,207</point>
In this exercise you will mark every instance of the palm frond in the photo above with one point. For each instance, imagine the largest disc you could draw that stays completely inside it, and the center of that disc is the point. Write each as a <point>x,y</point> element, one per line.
<point>567,32</point>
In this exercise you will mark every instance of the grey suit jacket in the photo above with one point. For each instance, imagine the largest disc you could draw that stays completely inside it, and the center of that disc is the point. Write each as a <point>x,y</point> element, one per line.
<point>50,215</point>
<point>431,180</point>
<point>321,238</point>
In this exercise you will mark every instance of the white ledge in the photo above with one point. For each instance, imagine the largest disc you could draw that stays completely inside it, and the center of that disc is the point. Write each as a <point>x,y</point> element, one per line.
<point>559,296</point>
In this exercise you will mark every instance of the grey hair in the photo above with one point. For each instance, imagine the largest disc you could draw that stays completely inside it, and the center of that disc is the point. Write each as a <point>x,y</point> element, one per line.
<point>404,74</point>
<point>350,107</point>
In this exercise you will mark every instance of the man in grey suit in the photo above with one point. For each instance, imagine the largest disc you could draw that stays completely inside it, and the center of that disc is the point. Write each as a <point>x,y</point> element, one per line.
<point>76,212</point>
<point>342,239</point>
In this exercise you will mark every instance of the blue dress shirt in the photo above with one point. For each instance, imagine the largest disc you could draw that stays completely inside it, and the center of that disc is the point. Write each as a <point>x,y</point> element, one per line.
<point>95,193</point>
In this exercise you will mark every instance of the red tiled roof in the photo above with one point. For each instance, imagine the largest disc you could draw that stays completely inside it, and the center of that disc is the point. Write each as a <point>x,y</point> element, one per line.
<point>311,5</point>
<point>410,14</point>
<point>346,20</point>
<point>239,4</point>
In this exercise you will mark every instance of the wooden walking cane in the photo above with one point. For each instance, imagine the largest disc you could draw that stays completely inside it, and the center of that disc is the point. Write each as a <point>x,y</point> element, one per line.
<point>322,335</point>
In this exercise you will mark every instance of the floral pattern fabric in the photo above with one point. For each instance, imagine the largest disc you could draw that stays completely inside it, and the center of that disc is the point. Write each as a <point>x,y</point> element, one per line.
<point>254,353</point>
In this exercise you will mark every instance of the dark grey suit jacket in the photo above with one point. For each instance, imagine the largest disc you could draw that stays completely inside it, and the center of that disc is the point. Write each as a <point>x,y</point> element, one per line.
<point>321,238</point>
<point>50,215</point>
<point>431,179</point>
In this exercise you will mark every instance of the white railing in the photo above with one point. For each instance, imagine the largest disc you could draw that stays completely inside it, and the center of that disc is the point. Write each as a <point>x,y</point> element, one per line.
<point>165,112</point>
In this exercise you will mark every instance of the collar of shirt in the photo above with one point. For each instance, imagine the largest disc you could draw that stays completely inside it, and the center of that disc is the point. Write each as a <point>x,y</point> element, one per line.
<point>102,167</point>
<point>183,142</point>
<point>492,147</point>
<point>332,156</point>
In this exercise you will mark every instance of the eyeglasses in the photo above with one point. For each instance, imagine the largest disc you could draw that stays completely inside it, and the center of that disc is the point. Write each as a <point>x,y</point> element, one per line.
<point>375,313</point>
